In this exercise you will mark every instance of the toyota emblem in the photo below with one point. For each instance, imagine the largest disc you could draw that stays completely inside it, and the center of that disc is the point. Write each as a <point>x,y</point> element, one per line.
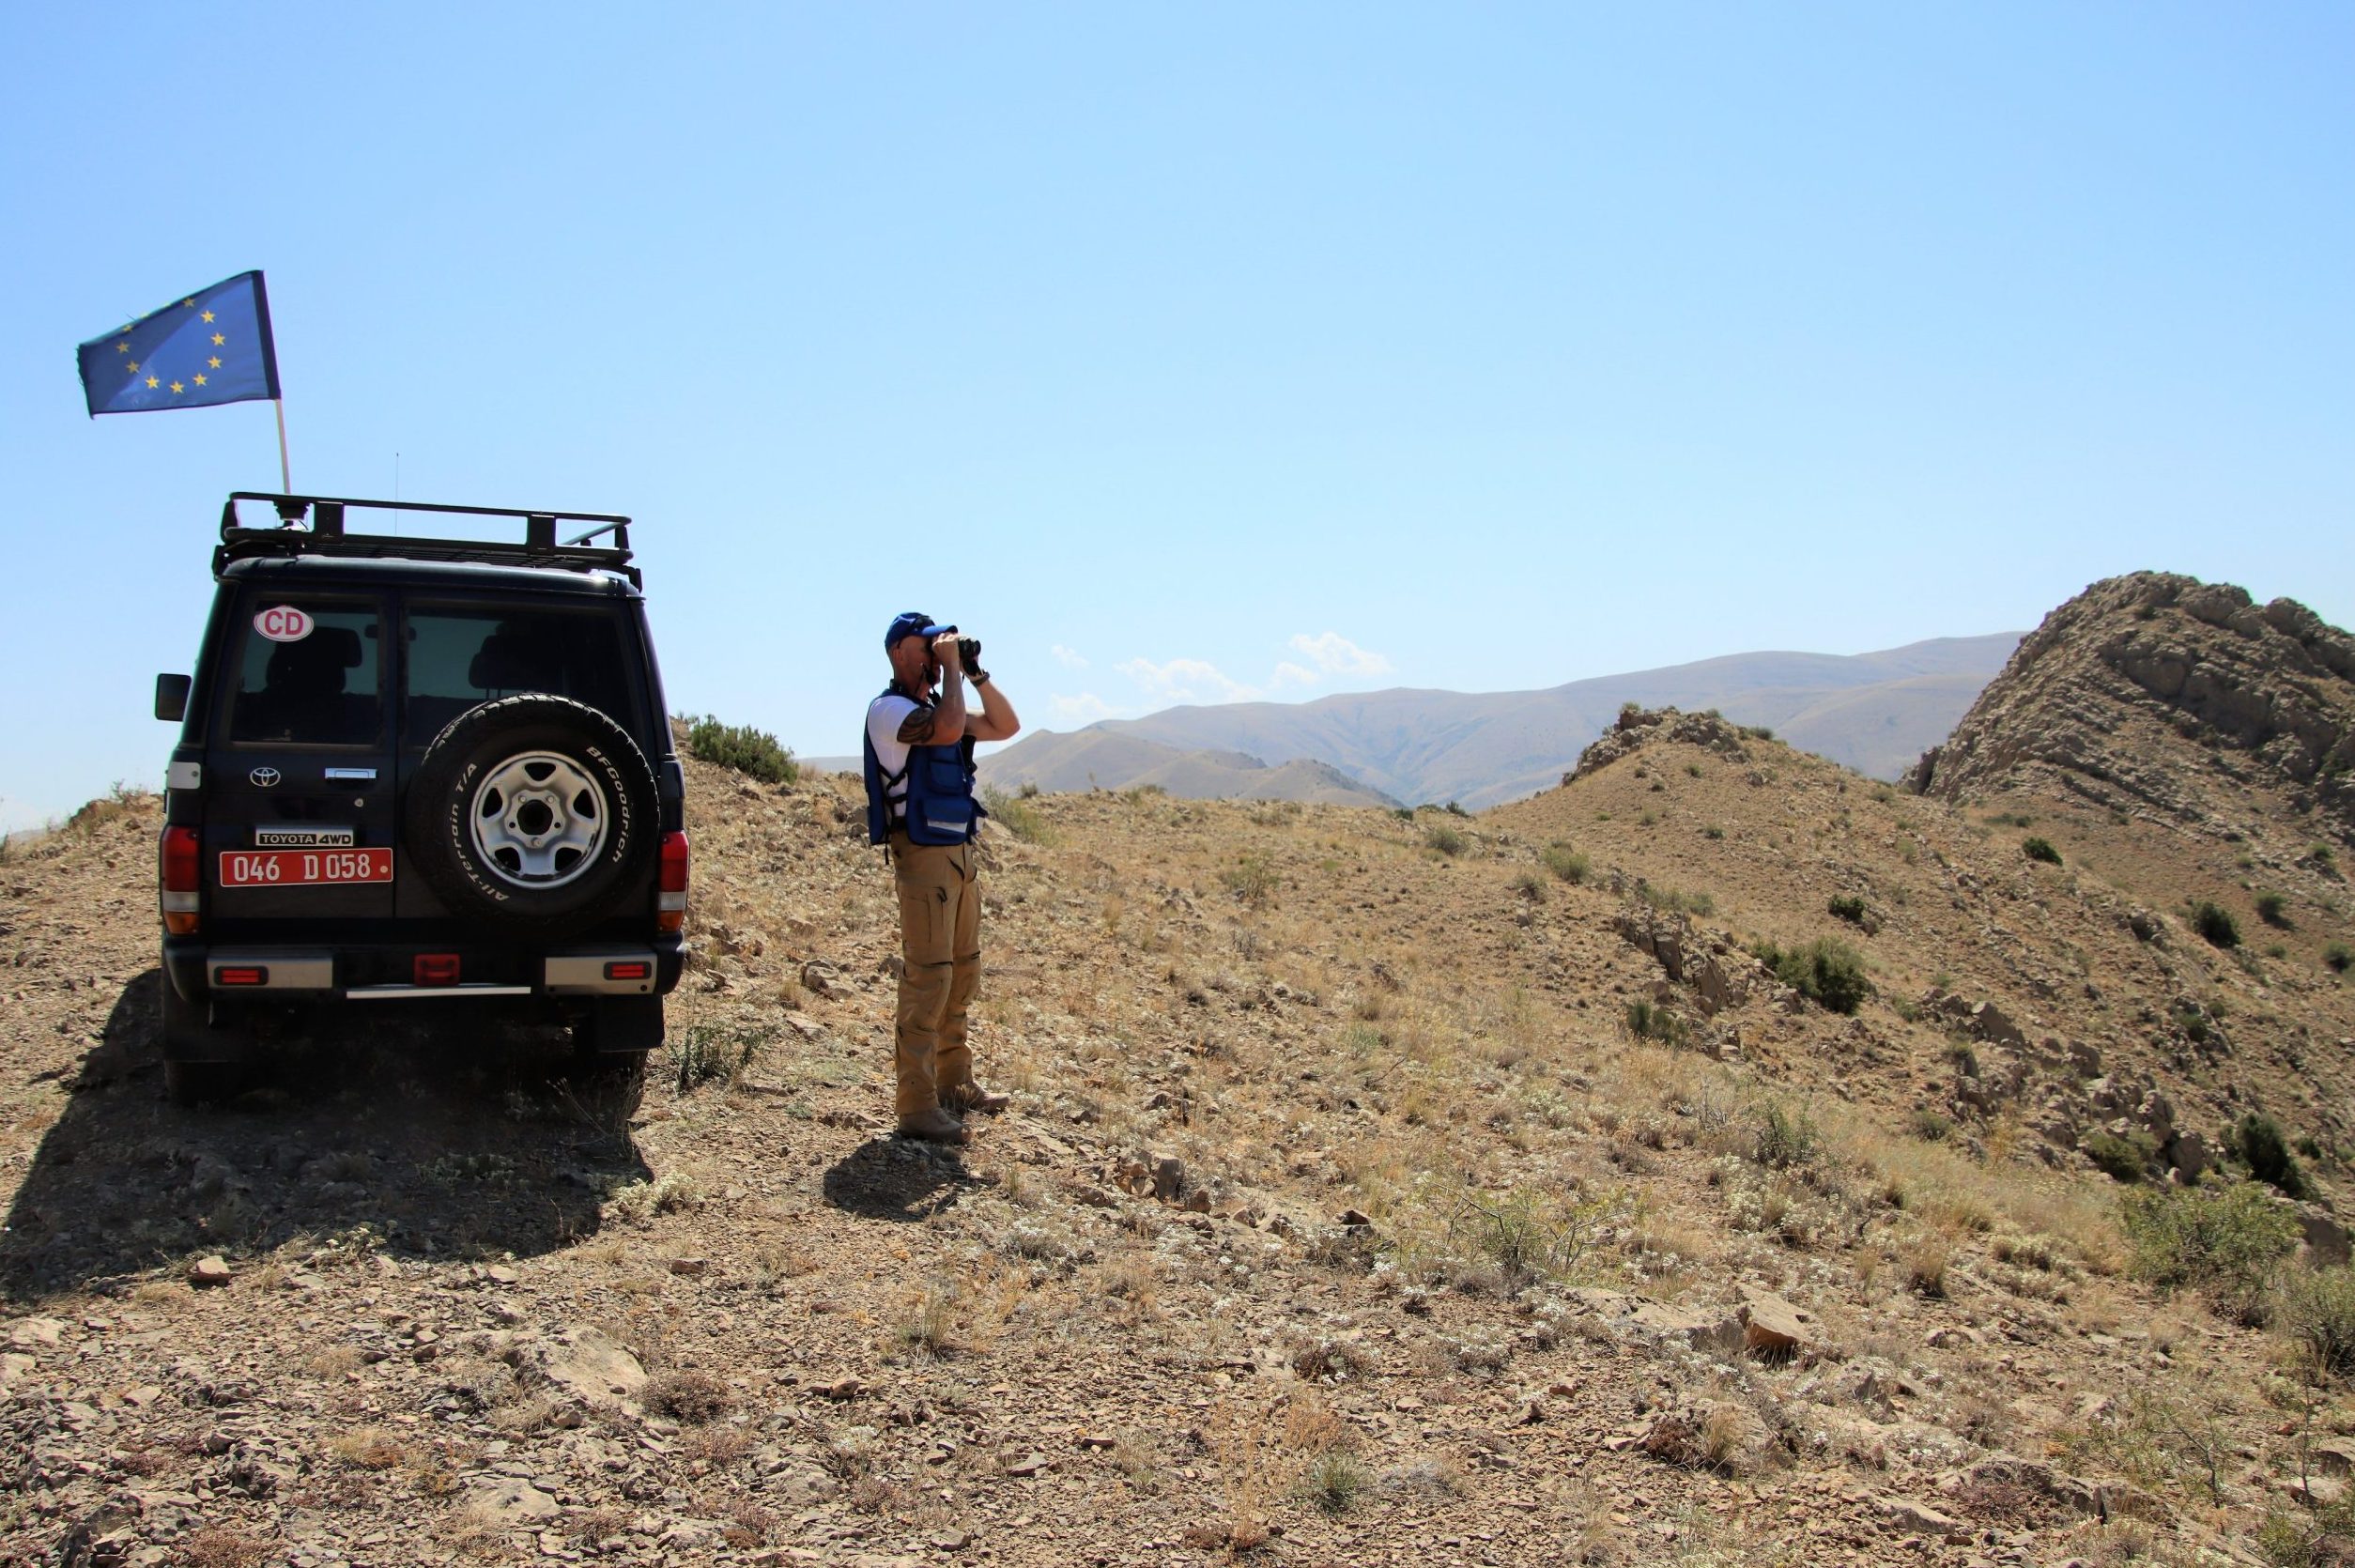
<point>265,779</point>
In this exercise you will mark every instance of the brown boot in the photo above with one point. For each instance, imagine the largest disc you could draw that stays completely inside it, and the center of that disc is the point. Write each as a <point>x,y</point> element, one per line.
<point>968,1099</point>
<point>935,1126</point>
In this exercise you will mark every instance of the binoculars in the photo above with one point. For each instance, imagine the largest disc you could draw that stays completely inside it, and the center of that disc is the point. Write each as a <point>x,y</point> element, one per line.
<point>968,648</point>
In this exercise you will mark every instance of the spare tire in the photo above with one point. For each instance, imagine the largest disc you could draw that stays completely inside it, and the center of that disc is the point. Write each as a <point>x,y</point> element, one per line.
<point>533,813</point>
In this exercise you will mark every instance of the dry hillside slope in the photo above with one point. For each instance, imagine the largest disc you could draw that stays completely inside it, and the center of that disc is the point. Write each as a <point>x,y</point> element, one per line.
<point>1378,1190</point>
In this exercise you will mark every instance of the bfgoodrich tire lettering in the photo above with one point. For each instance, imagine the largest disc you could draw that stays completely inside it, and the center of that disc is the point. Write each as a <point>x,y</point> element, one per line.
<point>531,813</point>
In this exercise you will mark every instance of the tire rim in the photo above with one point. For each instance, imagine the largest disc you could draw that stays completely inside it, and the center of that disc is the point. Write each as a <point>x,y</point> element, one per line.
<point>538,819</point>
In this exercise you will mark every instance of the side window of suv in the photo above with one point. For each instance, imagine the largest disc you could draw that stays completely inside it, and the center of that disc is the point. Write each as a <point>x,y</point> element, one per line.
<point>461,656</point>
<point>307,673</point>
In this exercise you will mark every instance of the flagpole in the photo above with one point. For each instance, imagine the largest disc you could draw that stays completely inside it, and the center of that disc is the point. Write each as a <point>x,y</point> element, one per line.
<point>285,475</point>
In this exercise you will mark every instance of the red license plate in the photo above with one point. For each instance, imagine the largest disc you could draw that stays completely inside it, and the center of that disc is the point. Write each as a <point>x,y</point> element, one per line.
<point>303,867</point>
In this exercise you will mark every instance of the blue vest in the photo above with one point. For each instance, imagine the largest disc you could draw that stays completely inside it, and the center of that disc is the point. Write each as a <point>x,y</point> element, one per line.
<point>940,807</point>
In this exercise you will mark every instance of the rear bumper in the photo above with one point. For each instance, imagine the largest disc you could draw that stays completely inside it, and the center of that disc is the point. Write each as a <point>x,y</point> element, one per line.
<point>281,972</point>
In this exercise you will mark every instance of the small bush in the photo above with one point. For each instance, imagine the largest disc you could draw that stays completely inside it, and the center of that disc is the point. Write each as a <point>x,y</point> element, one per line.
<point>1528,885</point>
<point>1827,972</point>
<point>1453,810</point>
<point>715,1053</point>
<point>1786,1140</point>
<point>693,1397</point>
<point>1648,1021</point>
<point>1713,831</point>
<point>2258,1141</point>
<point>1758,732</point>
<point>1692,770</point>
<point>1674,902</point>
<point>2273,909</point>
<point>1017,815</point>
<point>2215,924</point>
<point>2224,1240</point>
<point>1848,907</point>
<point>2318,1311</point>
<point>1335,1482</point>
<point>2339,957</point>
<point>1932,1126</point>
<point>2041,849</point>
<point>1444,838</point>
<point>1253,879</point>
<point>2124,1158</point>
<point>741,747</point>
<point>1566,863</point>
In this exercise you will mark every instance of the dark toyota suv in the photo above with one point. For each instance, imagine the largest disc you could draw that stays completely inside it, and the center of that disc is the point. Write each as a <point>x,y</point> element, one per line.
<point>413,770</point>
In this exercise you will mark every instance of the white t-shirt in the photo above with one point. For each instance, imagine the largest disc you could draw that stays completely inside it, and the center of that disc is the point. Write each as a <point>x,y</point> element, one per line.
<point>884,715</point>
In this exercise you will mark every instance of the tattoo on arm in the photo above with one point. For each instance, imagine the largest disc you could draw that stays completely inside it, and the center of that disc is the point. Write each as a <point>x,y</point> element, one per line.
<point>916,729</point>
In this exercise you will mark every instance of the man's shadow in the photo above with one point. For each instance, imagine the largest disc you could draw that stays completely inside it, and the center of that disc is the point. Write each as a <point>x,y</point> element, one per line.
<point>440,1135</point>
<point>897,1178</point>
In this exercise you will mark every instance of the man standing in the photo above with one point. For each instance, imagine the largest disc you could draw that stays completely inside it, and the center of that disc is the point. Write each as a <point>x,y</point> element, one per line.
<point>920,742</point>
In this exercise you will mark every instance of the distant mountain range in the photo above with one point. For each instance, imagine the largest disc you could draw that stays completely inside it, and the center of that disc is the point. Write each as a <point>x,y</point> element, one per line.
<point>1875,713</point>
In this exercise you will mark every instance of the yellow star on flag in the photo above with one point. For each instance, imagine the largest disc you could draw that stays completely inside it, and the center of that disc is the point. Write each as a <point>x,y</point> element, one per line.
<point>177,388</point>
<point>218,340</point>
<point>214,362</point>
<point>151,382</point>
<point>208,318</point>
<point>122,348</point>
<point>134,367</point>
<point>200,377</point>
<point>190,303</point>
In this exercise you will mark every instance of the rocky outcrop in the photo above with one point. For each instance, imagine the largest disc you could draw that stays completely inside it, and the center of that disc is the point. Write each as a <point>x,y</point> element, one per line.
<point>2086,700</point>
<point>1637,728</point>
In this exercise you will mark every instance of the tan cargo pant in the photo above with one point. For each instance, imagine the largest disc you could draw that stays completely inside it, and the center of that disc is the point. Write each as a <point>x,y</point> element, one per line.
<point>940,940</point>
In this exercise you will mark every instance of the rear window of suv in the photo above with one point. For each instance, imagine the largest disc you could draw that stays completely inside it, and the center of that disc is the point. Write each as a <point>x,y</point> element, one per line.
<point>307,674</point>
<point>460,656</point>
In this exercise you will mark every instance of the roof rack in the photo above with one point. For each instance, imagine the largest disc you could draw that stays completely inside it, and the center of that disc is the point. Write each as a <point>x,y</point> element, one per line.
<point>324,535</point>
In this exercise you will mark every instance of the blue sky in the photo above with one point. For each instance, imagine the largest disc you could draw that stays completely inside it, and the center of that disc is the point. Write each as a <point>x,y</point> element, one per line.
<point>1190,352</point>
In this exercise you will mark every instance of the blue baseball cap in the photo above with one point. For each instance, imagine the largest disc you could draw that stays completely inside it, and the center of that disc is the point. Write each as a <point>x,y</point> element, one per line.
<point>911,622</point>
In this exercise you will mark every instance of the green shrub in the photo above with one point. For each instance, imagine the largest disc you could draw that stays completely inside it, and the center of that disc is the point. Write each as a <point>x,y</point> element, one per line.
<point>1932,1127</point>
<point>1336,1480</point>
<point>2319,1311</point>
<point>1018,816</point>
<point>1566,863</point>
<point>1444,838</point>
<point>1849,909</point>
<point>2125,1158</point>
<point>1528,885</point>
<point>2339,957</point>
<point>1693,769</point>
<point>1713,831</point>
<point>2224,1241</point>
<point>1453,809</point>
<point>741,747</point>
<point>2215,924</point>
<point>2258,1141</point>
<point>1758,732</point>
<point>2041,849</point>
<point>1674,902</point>
<point>1648,1021</point>
<point>1786,1139</point>
<point>1253,877</point>
<point>2273,909</point>
<point>1827,972</point>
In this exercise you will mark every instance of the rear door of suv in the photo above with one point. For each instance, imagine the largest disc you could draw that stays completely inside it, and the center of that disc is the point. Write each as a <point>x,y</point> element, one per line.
<point>300,821</point>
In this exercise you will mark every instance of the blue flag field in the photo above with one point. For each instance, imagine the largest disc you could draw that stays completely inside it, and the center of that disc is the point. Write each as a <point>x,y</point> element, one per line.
<point>206,347</point>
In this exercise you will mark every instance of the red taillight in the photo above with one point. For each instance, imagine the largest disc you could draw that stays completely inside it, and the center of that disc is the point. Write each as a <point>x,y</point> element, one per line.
<point>670,899</point>
<point>629,969</point>
<point>177,858</point>
<point>240,976</point>
<point>435,969</point>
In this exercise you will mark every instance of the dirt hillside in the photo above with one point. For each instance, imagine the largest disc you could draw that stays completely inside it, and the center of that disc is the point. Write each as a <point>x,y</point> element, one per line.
<point>1379,1189</point>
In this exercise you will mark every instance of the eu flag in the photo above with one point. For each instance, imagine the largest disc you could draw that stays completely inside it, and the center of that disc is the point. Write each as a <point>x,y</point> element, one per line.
<point>212,347</point>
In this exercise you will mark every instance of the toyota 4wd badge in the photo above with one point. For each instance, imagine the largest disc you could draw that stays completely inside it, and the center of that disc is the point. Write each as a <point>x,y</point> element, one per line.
<point>265,779</point>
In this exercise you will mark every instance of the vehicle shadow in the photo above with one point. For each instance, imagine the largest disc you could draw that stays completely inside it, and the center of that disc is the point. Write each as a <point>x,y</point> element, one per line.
<point>449,1136</point>
<point>897,1178</point>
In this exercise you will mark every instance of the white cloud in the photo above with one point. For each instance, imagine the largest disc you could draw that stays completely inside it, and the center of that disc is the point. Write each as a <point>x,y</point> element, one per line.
<point>1079,711</point>
<point>1290,674</point>
<point>1336,655</point>
<point>1186,680</point>
<point>1070,658</point>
